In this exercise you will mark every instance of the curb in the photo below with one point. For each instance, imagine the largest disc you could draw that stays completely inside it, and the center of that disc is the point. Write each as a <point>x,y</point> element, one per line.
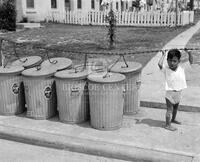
<point>159,105</point>
<point>97,148</point>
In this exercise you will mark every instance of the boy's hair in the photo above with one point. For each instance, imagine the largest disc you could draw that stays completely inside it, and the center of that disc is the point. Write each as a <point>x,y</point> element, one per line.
<point>173,53</point>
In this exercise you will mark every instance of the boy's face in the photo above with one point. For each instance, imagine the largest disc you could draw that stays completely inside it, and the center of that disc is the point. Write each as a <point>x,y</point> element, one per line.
<point>173,63</point>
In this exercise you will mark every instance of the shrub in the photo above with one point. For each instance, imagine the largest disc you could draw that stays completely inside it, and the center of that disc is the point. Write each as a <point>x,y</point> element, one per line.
<point>7,15</point>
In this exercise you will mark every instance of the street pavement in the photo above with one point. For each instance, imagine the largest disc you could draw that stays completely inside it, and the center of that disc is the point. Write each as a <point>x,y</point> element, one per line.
<point>20,152</point>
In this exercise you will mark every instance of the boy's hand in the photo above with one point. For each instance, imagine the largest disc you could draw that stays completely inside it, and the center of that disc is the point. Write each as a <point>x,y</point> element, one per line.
<point>186,50</point>
<point>190,55</point>
<point>163,52</point>
<point>160,63</point>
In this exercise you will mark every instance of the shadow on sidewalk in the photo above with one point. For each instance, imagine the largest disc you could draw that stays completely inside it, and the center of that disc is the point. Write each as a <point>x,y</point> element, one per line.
<point>151,122</point>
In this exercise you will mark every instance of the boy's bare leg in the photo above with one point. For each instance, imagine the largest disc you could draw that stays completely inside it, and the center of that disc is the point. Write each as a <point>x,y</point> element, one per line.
<point>175,109</point>
<point>169,115</point>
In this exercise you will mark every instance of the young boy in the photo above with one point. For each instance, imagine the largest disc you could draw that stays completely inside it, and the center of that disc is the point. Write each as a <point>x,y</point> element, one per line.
<point>175,82</point>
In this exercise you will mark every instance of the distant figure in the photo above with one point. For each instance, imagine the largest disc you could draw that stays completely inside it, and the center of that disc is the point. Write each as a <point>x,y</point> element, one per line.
<point>175,82</point>
<point>136,5</point>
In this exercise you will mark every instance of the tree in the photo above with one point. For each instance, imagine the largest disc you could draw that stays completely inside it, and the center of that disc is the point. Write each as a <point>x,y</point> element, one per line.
<point>111,19</point>
<point>7,15</point>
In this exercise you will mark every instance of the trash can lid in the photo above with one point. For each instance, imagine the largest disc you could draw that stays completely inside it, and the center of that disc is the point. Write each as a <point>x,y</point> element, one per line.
<point>71,74</point>
<point>105,77</point>
<point>90,67</point>
<point>27,61</point>
<point>41,72</point>
<point>120,67</point>
<point>59,63</point>
<point>11,70</point>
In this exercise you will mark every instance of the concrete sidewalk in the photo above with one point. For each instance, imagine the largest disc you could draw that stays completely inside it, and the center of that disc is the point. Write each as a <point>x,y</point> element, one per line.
<point>152,88</point>
<point>141,138</point>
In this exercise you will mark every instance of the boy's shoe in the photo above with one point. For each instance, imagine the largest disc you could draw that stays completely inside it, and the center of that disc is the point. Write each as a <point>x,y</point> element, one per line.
<point>176,122</point>
<point>168,127</point>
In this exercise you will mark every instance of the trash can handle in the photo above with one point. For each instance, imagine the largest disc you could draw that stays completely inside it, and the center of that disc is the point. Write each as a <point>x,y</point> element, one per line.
<point>52,62</point>
<point>126,65</point>
<point>38,67</point>
<point>83,67</point>
<point>106,75</point>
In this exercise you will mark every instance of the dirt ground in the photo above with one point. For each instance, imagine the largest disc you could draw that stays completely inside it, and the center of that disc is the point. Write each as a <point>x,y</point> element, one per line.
<point>64,38</point>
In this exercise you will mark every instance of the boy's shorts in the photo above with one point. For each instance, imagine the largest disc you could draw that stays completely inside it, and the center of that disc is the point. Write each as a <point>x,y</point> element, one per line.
<point>173,96</point>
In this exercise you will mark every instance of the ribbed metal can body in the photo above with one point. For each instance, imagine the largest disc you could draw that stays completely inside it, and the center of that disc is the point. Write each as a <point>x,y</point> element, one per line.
<point>72,100</point>
<point>11,95</point>
<point>106,105</point>
<point>132,95</point>
<point>40,95</point>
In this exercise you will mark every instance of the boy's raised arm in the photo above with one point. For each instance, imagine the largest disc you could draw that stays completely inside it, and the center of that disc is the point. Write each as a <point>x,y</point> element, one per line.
<point>160,63</point>
<point>190,56</point>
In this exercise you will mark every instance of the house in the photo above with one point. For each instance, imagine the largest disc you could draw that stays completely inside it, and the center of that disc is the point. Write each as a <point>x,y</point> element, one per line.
<point>39,10</point>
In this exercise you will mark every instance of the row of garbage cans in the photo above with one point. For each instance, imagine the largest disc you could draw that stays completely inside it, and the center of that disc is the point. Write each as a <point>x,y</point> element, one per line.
<point>77,94</point>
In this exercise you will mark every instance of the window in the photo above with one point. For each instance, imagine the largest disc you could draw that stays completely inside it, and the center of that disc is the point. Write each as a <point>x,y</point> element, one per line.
<point>117,6</point>
<point>53,3</point>
<point>92,4</point>
<point>79,4</point>
<point>30,3</point>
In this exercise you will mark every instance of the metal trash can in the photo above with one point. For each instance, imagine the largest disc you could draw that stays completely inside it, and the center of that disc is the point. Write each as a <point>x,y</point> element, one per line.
<point>59,63</point>
<point>72,96</point>
<point>27,62</point>
<point>106,96</point>
<point>40,92</point>
<point>11,91</point>
<point>133,82</point>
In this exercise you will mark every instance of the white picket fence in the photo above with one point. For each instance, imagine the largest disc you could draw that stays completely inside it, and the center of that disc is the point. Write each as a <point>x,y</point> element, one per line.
<point>123,18</point>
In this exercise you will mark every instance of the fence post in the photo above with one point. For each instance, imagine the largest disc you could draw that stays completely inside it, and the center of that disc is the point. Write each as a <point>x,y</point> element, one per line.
<point>1,52</point>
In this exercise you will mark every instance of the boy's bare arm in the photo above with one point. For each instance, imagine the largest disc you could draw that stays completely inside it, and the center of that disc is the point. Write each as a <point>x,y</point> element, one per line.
<point>190,56</point>
<point>160,63</point>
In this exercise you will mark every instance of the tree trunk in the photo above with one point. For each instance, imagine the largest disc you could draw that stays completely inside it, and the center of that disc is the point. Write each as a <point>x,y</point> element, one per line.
<point>1,53</point>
